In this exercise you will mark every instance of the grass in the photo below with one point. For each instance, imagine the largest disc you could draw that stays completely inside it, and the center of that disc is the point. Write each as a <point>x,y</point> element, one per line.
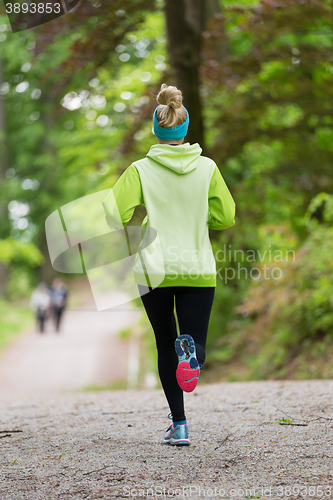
<point>14,319</point>
<point>286,420</point>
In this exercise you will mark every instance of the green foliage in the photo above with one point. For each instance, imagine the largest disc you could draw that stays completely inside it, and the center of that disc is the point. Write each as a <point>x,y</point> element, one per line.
<point>286,420</point>
<point>20,283</point>
<point>320,210</point>
<point>20,258</point>
<point>273,129</point>
<point>13,320</point>
<point>19,252</point>
<point>285,325</point>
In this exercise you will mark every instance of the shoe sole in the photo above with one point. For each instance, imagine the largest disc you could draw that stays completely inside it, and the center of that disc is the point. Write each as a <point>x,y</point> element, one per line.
<point>188,369</point>
<point>177,442</point>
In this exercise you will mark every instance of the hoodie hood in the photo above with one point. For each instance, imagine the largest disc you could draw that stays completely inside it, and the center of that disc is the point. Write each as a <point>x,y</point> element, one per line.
<point>181,159</point>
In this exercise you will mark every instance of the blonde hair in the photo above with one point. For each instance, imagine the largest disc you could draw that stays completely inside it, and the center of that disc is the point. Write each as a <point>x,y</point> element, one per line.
<point>171,112</point>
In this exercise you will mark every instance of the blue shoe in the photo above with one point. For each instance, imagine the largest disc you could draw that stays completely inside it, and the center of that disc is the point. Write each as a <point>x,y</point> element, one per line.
<point>188,369</point>
<point>177,435</point>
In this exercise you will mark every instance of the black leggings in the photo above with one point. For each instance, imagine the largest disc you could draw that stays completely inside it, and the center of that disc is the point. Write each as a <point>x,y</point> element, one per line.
<point>193,307</point>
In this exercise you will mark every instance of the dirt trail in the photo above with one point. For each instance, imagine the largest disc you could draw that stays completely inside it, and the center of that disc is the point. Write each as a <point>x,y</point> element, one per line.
<point>108,445</point>
<point>86,351</point>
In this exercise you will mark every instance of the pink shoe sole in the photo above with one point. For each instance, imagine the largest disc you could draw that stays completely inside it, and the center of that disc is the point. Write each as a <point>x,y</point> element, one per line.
<point>187,377</point>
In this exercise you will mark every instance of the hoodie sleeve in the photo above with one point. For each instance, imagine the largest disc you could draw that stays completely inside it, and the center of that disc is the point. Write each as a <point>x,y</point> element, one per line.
<point>221,205</point>
<point>126,194</point>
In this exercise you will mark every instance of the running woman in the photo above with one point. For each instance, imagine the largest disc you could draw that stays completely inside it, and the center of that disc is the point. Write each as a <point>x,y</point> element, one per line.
<point>184,194</point>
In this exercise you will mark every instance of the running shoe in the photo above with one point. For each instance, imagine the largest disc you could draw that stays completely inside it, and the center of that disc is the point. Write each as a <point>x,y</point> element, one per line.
<point>188,369</point>
<point>177,435</point>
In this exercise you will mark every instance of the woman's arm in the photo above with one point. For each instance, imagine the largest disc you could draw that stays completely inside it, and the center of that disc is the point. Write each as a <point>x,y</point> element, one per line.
<point>220,202</point>
<point>126,194</point>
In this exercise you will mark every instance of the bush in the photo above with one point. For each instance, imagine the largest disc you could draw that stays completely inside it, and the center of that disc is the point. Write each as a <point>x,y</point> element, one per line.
<point>284,326</point>
<point>19,259</point>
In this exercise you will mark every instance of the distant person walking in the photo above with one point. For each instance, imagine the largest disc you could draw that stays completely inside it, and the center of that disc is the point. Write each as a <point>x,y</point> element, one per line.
<point>41,303</point>
<point>59,293</point>
<point>184,194</point>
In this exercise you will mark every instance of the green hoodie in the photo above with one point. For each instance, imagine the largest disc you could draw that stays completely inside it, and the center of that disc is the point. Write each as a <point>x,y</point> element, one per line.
<point>184,194</point>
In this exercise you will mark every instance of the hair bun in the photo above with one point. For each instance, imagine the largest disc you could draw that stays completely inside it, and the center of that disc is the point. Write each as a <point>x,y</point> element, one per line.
<point>172,112</point>
<point>170,96</point>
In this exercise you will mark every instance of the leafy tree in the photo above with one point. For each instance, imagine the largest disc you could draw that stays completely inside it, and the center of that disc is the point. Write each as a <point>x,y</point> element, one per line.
<point>271,96</point>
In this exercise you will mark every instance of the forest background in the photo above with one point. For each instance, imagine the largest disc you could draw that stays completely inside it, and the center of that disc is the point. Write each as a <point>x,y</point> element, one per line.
<point>76,101</point>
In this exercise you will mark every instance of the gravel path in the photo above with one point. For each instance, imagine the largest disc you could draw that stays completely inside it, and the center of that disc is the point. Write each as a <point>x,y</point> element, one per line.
<point>107,445</point>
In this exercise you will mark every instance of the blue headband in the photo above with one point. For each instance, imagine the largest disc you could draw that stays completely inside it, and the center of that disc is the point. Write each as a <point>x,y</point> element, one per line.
<point>171,133</point>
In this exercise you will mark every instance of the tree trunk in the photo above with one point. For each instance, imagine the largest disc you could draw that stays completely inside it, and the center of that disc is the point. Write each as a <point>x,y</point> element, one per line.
<point>183,24</point>
<point>186,20</point>
<point>49,183</point>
